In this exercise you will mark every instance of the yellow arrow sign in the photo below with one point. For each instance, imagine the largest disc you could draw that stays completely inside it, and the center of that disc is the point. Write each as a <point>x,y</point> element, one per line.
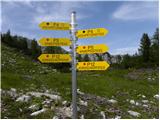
<point>54,26</point>
<point>54,58</point>
<point>91,33</point>
<point>99,65</point>
<point>55,42</point>
<point>91,49</point>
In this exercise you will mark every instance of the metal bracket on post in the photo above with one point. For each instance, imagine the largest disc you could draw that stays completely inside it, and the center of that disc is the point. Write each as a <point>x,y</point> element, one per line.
<point>74,74</point>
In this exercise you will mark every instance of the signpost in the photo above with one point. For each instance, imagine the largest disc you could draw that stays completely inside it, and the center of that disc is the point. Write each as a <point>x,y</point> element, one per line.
<point>91,33</point>
<point>91,49</point>
<point>54,58</point>
<point>65,58</point>
<point>99,65</point>
<point>55,42</point>
<point>54,26</point>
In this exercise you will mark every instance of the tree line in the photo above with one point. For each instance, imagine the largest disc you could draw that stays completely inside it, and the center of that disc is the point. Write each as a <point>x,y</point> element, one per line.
<point>147,56</point>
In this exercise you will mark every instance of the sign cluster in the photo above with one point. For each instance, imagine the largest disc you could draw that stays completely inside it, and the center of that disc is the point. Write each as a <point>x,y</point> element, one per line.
<point>89,49</point>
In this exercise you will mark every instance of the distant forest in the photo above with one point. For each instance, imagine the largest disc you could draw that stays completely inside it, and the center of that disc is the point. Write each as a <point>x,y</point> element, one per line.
<point>147,56</point>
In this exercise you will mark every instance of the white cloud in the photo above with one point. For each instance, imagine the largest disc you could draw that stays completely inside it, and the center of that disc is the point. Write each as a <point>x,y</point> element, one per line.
<point>126,50</point>
<point>137,11</point>
<point>58,12</point>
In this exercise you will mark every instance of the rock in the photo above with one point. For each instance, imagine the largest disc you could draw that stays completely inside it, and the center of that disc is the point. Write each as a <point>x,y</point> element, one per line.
<point>55,117</point>
<point>143,96</point>
<point>23,98</point>
<point>64,102</point>
<point>13,90</point>
<point>38,94</point>
<point>137,104</point>
<point>145,101</point>
<point>156,96</point>
<point>65,112</point>
<point>117,117</point>
<point>102,113</point>
<point>34,107</point>
<point>132,102</point>
<point>112,101</point>
<point>47,103</point>
<point>38,112</point>
<point>146,106</point>
<point>133,113</point>
<point>84,103</point>
<point>79,92</point>
<point>82,117</point>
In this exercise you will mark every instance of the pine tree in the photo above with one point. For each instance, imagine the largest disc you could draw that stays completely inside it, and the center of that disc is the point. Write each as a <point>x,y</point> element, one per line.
<point>86,58</point>
<point>155,48</point>
<point>145,48</point>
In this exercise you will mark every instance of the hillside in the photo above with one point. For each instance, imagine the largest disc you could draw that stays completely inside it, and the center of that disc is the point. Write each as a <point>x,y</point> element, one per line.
<point>34,90</point>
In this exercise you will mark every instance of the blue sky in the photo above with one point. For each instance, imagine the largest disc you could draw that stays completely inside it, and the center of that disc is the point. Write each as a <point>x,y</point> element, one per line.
<point>125,20</point>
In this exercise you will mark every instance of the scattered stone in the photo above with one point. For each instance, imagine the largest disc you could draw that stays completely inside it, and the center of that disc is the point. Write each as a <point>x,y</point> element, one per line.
<point>65,112</point>
<point>23,98</point>
<point>102,113</point>
<point>34,107</point>
<point>79,92</point>
<point>117,117</point>
<point>82,117</point>
<point>55,117</point>
<point>64,103</point>
<point>146,106</point>
<point>133,113</point>
<point>38,94</point>
<point>137,103</point>
<point>83,103</point>
<point>112,101</point>
<point>145,101</point>
<point>156,96</point>
<point>143,96</point>
<point>13,90</point>
<point>132,102</point>
<point>38,112</point>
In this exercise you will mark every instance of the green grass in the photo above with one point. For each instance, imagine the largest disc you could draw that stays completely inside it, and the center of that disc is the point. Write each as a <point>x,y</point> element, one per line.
<point>26,75</point>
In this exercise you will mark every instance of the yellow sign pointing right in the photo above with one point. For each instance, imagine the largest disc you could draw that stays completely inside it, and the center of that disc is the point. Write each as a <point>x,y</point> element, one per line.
<point>91,49</point>
<point>99,65</point>
<point>91,33</point>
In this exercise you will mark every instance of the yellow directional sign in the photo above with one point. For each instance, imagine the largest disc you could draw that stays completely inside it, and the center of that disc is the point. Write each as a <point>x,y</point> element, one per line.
<point>55,42</point>
<point>54,26</point>
<point>99,65</point>
<point>91,33</point>
<point>54,58</point>
<point>91,49</point>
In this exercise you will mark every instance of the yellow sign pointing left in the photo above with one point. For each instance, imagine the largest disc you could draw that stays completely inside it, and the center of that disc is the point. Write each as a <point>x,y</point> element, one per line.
<point>99,65</point>
<point>54,26</point>
<point>55,42</point>
<point>54,58</point>
<point>91,49</point>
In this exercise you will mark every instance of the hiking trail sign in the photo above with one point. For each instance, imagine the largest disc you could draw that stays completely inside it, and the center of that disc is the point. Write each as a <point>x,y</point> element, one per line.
<point>55,42</point>
<point>91,32</point>
<point>96,65</point>
<point>54,58</point>
<point>71,58</point>
<point>54,26</point>
<point>91,49</point>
